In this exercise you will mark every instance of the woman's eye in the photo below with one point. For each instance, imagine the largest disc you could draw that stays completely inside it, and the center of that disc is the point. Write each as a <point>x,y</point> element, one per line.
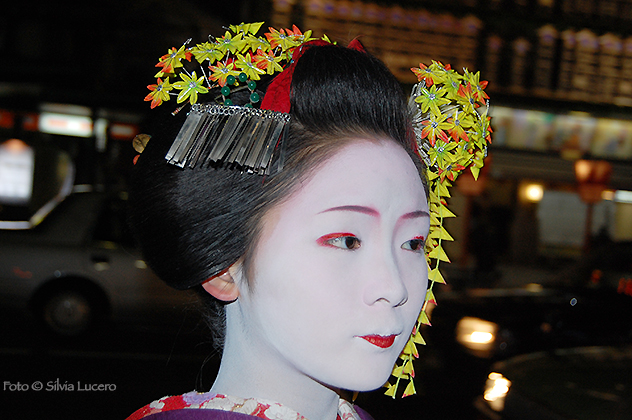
<point>415,244</point>
<point>344,241</point>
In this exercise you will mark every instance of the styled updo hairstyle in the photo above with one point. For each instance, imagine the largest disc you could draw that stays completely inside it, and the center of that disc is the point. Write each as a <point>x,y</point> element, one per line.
<point>192,224</point>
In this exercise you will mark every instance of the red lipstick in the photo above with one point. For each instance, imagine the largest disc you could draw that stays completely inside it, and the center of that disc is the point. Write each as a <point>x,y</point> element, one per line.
<point>380,341</point>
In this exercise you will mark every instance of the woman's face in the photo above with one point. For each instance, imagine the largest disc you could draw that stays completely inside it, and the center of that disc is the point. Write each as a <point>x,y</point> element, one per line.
<point>339,273</point>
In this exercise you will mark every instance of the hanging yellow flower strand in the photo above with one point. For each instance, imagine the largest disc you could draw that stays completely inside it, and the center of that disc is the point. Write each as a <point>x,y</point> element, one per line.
<point>452,127</point>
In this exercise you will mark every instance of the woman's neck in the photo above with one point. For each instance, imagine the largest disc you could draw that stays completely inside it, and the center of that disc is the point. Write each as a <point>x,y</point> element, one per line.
<point>250,370</point>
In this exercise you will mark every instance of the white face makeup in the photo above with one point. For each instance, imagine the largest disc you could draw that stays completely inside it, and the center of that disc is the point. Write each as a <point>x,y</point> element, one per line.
<point>339,274</point>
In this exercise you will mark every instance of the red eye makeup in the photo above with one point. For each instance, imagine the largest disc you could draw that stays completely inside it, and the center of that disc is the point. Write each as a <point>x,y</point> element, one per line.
<point>342,240</point>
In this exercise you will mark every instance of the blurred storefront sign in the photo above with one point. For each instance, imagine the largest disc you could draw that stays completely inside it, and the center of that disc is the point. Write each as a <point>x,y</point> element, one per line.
<point>570,135</point>
<point>73,121</point>
<point>67,125</point>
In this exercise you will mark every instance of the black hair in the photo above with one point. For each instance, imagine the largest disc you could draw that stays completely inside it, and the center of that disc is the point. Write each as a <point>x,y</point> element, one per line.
<point>340,91</point>
<point>192,224</point>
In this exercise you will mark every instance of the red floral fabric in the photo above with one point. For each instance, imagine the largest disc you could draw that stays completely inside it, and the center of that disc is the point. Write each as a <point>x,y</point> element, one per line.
<point>263,409</point>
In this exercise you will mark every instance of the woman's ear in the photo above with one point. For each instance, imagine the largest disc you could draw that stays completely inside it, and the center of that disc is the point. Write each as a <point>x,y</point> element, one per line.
<point>223,286</point>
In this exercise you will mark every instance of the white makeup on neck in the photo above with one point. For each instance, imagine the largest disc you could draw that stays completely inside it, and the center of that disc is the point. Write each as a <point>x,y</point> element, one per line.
<point>339,278</point>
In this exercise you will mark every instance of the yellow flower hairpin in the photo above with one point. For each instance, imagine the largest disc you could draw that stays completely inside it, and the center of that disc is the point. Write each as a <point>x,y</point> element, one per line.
<point>238,57</point>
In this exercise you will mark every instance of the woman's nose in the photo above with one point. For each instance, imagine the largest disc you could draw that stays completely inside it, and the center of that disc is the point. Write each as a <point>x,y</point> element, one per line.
<point>384,281</point>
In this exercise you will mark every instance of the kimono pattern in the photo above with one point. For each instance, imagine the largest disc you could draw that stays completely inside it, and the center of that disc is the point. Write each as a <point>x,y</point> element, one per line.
<point>194,405</point>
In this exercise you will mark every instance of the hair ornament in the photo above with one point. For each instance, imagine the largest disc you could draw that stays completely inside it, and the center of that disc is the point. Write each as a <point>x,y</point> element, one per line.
<point>237,136</point>
<point>240,56</point>
<point>230,134</point>
<point>139,143</point>
<point>450,119</point>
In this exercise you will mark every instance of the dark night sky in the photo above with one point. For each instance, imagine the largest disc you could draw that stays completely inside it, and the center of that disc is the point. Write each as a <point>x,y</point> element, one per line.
<point>100,53</point>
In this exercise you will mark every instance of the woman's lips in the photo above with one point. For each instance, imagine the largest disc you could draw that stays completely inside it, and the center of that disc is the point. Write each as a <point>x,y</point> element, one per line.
<point>380,341</point>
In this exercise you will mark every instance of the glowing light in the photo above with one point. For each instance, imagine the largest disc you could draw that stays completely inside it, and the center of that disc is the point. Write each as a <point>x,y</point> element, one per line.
<point>582,170</point>
<point>477,335</point>
<point>15,146</point>
<point>622,196</point>
<point>496,389</point>
<point>607,195</point>
<point>481,337</point>
<point>531,192</point>
<point>534,192</point>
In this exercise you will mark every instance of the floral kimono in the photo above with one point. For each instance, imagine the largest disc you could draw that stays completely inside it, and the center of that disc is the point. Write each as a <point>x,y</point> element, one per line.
<point>209,406</point>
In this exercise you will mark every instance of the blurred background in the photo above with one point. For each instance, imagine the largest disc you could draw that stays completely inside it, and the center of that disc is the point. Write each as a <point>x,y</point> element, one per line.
<point>540,279</point>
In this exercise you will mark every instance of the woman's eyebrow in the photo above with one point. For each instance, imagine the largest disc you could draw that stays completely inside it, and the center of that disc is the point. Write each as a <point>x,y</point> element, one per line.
<point>415,214</point>
<point>359,209</point>
<point>372,212</point>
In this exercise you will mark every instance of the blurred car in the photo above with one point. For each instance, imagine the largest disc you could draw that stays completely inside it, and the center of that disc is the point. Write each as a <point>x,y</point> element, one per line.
<point>587,383</point>
<point>472,329</point>
<point>78,267</point>
<point>66,255</point>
